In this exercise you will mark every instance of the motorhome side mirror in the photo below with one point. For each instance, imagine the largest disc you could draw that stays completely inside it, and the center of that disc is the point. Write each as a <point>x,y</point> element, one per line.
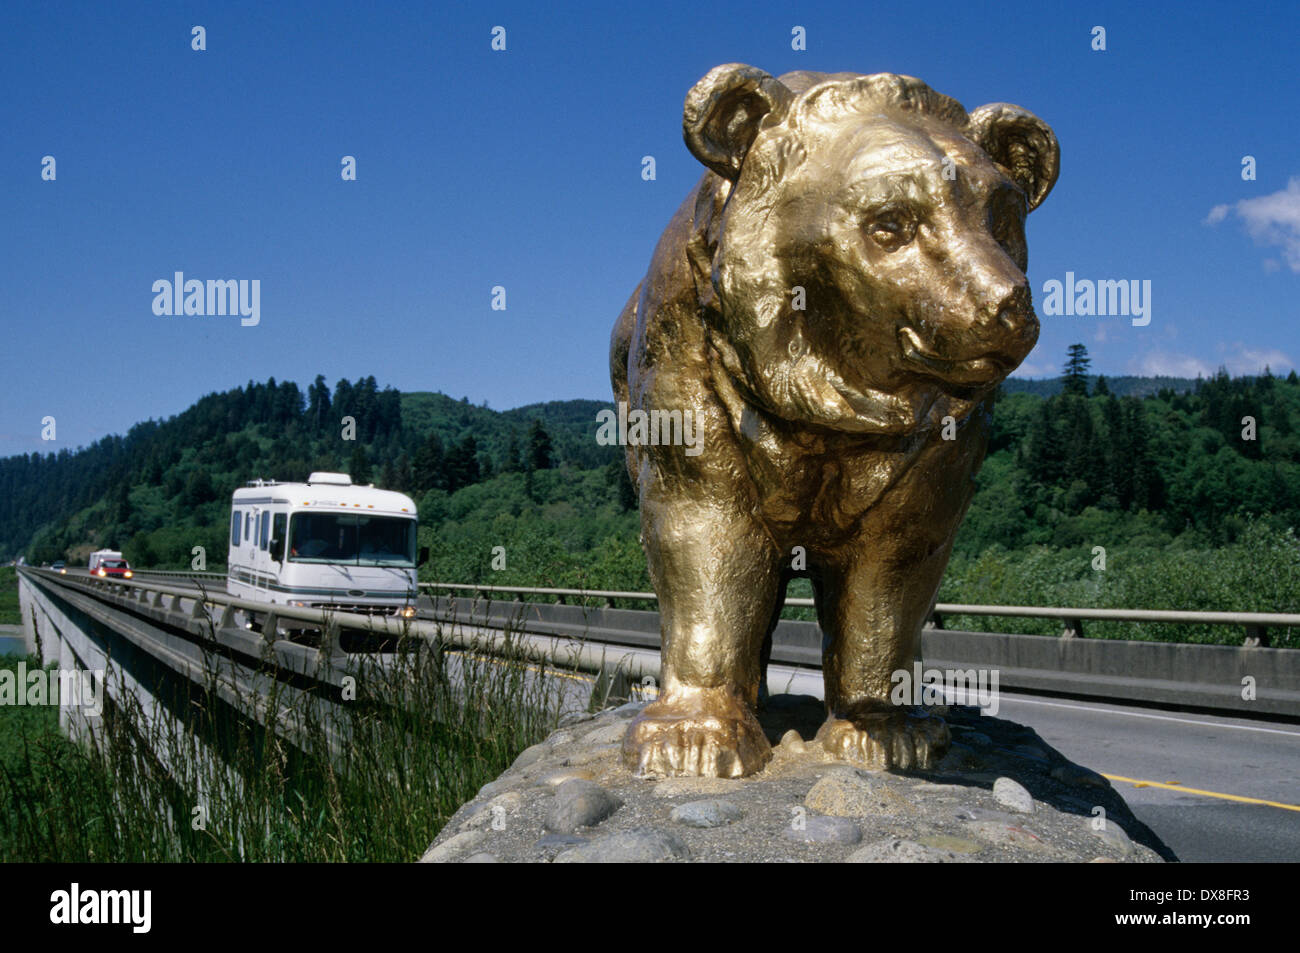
<point>424,555</point>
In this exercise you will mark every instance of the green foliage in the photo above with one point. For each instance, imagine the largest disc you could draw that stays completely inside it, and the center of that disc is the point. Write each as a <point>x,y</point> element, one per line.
<point>370,779</point>
<point>9,613</point>
<point>1258,572</point>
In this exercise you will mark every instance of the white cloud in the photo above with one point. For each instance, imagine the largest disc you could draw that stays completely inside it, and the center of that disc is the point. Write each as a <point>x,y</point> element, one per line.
<point>1242,360</point>
<point>1167,364</point>
<point>1034,370</point>
<point>1270,220</point>
<point>1252,361</point>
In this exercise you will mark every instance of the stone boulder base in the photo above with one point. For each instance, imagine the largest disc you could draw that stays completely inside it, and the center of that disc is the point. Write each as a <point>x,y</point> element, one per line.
<point>1001,794</point>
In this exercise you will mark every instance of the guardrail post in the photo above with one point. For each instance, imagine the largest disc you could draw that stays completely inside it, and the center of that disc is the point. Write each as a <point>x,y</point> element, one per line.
<point>611,684</point>
<point>1073,629</point>
<point>1256,637</point>
<point>330,641</point>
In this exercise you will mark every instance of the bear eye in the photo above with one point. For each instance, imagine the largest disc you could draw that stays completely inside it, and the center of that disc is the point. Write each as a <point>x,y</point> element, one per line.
<point>891,228</point>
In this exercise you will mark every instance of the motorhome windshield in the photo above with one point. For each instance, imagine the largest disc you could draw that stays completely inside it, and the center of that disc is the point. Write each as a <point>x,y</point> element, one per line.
<point>352,539</point>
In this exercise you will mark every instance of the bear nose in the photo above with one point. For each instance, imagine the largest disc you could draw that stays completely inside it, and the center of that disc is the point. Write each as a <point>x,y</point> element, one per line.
<point>1013,310</point>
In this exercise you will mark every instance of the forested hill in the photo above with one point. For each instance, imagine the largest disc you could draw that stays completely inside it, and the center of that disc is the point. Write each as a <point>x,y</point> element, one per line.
<point>1124,386</point>
<point>168,478</point>
<point>1083,464</point>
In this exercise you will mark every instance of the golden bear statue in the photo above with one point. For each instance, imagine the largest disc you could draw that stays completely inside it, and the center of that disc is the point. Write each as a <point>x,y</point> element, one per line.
<point>829,312</point>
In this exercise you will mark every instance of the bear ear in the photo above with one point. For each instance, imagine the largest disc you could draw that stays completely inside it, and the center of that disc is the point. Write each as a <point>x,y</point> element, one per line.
<point>724,112</point>
<point>1021,143</point>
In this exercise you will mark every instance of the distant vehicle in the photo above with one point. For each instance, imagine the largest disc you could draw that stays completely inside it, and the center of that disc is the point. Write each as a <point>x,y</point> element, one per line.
<point>326,543</point>
<point>99,556</point>
<point>119,568</point>
<point>59,566</point>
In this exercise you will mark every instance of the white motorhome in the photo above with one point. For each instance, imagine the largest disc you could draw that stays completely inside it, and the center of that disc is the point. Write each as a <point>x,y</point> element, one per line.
<point>323,543</point>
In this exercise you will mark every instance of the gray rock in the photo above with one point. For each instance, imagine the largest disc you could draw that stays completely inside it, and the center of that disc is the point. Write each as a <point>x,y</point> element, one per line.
<point>1114,835</point>
<point>502,806</point>
<point>628,847</point>
<point>609,735</point>
<point>552,844</point>
<point>598,753</point>
<point>823,830</point>
<point>575,718</point>
<point>1012,794</point>
<point>850,793</point>
<point>1077,776</point>
<point>895,850</point>
<point>710,813</point>
<point>580,803</point>
<point>452,846</point>
<point>482,857</point>
<point>530,755</point>
<point>1006,835</point>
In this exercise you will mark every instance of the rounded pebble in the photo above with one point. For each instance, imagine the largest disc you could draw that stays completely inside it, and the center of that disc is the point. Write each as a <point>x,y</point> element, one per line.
<point>1013,795</point>
<point>823,830</point>
<point>580,803</point>
<point>709,813</point>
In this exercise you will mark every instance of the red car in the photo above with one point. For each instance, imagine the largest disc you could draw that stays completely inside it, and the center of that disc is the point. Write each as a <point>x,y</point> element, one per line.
<point>114,567</point>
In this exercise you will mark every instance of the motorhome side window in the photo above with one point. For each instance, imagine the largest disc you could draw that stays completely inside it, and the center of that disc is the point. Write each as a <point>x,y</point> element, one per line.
<point>248,526</point>
<point>277,537</point>
<point>264,531</point>
<point>236,521</point>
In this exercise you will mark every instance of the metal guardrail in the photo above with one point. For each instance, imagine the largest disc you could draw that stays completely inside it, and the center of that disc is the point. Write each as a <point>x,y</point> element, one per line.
<point>1255,623</point>
<point>168,602</point>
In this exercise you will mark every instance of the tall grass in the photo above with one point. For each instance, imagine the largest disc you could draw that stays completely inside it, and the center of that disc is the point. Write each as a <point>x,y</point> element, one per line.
<point>365,778</point>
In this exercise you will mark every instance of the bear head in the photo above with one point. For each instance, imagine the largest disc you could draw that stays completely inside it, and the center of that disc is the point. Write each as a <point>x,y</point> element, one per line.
<point>867,270</point>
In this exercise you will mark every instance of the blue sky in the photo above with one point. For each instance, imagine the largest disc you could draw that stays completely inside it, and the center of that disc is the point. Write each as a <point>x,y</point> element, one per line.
<point>522,169</point>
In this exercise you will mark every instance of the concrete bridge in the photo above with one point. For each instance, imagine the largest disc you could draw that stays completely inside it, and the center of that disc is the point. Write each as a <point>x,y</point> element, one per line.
<point>1175,721</point>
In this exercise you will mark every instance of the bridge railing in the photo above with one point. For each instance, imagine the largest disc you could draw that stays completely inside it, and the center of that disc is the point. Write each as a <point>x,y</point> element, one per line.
<point>212,613</point>
<point>1256,624</point>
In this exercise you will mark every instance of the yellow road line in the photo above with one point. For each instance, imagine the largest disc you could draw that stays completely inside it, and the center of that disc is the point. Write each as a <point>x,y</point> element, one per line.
<point>1178,787</point>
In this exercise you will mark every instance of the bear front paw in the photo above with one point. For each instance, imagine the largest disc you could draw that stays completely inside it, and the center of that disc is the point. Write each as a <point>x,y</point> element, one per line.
<point>882,740</point>
<point>710,734</point>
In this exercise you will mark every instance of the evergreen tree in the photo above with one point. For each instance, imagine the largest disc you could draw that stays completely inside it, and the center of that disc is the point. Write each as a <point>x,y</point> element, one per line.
<point>318,404</point>
<point>359,465</point>
<point>539,447</point>
<point>428,466</point>
<point>1074,379</point>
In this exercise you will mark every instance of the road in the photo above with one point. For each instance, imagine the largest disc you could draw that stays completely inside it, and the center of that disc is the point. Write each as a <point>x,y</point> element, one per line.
<point>1222,757</point>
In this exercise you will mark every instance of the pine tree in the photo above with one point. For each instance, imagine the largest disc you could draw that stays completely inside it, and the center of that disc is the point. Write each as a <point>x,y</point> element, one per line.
<point>429,465</point>
<point>1074,379</point>
<point>359,465</point>
<point>539,447</point>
